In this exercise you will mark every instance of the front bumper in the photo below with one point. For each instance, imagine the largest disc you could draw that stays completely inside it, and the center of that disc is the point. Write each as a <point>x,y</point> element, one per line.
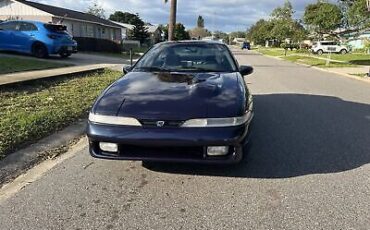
<point>168,144</point>
<point>67,49</point>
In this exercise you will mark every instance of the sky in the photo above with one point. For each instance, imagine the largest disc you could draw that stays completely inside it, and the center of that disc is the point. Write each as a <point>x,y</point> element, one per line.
<point>224,15</point>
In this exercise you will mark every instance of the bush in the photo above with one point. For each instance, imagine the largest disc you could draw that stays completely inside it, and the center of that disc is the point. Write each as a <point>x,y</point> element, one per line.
<point>290,46</point>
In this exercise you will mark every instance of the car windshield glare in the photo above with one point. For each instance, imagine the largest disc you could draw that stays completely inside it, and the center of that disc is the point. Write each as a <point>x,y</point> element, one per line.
<point>187,57</point>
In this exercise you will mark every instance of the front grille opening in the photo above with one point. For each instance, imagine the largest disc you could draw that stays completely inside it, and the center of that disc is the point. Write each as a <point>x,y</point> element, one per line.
<point>167,124</point>
<point>180,152</point>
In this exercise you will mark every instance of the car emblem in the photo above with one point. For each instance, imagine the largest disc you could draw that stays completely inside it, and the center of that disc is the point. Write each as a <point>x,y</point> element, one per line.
<point>160,123</point>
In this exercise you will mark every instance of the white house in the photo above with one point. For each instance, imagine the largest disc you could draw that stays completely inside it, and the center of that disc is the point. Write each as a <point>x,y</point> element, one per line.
<point>126,29</point>
<point>155,33</point>
<point>79,24</point>
<point>359,42</point>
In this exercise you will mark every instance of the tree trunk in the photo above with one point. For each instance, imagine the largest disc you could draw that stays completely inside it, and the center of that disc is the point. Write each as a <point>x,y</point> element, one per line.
<point>172,24</point>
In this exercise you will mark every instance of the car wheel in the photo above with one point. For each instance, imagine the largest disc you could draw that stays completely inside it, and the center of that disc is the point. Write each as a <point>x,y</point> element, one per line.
<point>320,52</point>
<point>65,54</point>
<point>343,51</point>
<point>39,50</point>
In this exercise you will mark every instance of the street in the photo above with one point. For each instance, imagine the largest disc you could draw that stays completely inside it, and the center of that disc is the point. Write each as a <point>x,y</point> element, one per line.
<point>308,167</point>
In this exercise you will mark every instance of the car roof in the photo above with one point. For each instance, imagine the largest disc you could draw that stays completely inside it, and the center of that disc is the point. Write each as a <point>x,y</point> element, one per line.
<point>29,21</point>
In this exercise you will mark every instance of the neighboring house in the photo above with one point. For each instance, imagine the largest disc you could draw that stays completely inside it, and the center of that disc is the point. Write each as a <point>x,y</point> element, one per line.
<point>155,33</point>
<point>239,41</point>
<point>126,29</point>
<point>359,41</point>
<point>79,25</point>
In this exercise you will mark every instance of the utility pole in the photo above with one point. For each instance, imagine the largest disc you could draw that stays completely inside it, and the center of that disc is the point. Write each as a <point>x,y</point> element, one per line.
<point>172,24</point>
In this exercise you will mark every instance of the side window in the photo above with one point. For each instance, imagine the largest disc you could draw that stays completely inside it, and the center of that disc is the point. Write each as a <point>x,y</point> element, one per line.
<point>25,26</point>
<point>9,26</point>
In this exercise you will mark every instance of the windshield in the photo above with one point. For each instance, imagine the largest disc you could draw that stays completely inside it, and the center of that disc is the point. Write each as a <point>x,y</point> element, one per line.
<point>188,58</point>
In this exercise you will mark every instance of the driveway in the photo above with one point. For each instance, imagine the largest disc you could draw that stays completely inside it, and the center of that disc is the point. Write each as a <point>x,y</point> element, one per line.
<point>308,168</point>
<point>80,59</point>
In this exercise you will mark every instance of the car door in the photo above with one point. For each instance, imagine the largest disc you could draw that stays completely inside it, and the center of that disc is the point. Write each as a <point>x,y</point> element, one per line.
<point>25,36</point>
<point>332,47</point>
<point>7,30</point>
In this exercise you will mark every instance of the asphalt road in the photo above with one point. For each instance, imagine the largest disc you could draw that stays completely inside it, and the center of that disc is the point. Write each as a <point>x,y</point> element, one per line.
<point>308,168</point>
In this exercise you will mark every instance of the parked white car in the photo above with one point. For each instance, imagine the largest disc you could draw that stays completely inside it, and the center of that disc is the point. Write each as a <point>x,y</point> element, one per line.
<point>328,47</point>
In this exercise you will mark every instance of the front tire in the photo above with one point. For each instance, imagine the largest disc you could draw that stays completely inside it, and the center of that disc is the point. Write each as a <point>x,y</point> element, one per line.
<point>343,51</point>
<point>320,52</point>
<point>39,50</point>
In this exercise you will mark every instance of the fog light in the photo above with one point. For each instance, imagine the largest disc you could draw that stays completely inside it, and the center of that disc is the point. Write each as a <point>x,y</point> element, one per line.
<point>217,150</point>
<point>108,147</point>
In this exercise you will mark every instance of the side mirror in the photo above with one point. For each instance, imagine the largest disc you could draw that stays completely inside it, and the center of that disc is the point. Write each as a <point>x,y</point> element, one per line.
<point>245,70</point>
<point>127,69</point>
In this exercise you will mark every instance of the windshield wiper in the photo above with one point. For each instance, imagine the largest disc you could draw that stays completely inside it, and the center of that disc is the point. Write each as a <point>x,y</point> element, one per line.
<point>201,69</point>
<point>154,69</point>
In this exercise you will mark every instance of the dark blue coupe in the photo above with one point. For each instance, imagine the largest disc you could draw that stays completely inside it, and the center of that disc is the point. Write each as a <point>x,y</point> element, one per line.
<point>182,101</point>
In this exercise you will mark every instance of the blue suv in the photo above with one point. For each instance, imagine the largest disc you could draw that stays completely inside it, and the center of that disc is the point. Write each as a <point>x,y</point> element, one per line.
<point>36,38</point>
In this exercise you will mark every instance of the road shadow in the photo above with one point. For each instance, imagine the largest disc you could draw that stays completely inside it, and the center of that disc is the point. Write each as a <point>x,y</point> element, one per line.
<point>296,135</point>
<point>360,62</point>
<point>25,55</point>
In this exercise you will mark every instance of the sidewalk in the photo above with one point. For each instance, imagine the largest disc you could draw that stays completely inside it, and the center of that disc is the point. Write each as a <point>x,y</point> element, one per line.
<point>33,75</point>
<point>352,70</point>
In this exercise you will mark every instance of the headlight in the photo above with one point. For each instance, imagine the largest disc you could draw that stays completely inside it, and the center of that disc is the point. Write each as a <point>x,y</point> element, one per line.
<point>218,122</point>
<point>113,120</point>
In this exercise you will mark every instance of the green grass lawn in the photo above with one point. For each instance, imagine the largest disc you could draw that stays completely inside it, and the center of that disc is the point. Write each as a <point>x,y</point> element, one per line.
<point>315,62</point>
<point>271,51</point>
<point>15,64</point>
<point>30,111</point>
<point>355,59</point>
<point>352,59</point>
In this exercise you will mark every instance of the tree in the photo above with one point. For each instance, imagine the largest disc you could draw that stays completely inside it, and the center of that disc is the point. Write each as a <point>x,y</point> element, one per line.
<point>199,33</point>
<point>355,15</point>
<point>96,9</point>
<point>285,12</point>
<point>279,27</point>
<point>180,32</point>
<point>139,32</point>
<point>172,22</point>
<point>260,32</point>
<point>200,22</point>
<point>323,17</point>
<point>221,35</point>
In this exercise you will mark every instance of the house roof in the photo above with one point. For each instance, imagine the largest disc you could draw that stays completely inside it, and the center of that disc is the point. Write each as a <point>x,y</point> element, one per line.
<point>67,13</point>
<point>125,25</point>
<point>151,28</point>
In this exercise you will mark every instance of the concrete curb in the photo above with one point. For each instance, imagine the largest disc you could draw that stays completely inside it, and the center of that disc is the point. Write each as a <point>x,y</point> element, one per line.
<point>367,80</point>
<point>40,74</point>
<point>17,163</point>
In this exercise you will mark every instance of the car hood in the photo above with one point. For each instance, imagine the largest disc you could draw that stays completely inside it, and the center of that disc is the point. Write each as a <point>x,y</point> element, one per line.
<point>174,96</point>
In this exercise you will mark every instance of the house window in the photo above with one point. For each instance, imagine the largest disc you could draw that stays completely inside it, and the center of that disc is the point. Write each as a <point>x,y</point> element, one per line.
<point>90,31</point>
